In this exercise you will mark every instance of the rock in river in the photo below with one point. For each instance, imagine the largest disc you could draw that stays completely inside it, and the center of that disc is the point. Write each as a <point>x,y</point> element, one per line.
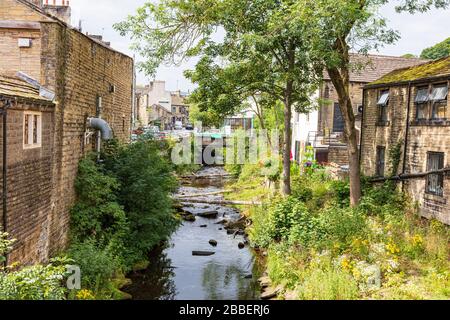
<point>202,253</point>
<point>213,243</point>
<point>208,214</point>
<point>241,245</point>
<point>189,217</point>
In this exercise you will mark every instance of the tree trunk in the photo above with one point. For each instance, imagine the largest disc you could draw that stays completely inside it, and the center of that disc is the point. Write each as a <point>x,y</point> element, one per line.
<point>287,146</point>
<point>340,79</point>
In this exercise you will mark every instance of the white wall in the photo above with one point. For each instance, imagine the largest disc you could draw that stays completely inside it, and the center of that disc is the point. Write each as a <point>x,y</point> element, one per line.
<point>302,125</point>
<point>159,95</point>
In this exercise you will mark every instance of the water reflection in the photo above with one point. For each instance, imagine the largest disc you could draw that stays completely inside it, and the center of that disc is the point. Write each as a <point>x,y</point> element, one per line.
<point>156,282</point>
<point>175,274</point>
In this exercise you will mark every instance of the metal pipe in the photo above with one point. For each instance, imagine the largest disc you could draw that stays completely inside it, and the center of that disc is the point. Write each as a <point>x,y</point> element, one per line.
<point>7,104</point>
<point>362,126</point>
<point>102,126</point>
<point>405,148</point>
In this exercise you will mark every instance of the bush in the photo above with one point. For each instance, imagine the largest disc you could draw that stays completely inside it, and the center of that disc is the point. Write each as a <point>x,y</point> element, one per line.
<point>96,214</point>
<point>97,265</point>
<point>146,181</point>
<point>35,283</point>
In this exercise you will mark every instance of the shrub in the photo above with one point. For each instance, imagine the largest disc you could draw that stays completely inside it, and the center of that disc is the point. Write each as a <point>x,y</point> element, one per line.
<point>146,181</point>
<point>96,214</point>
<point>35,283</point>
<point>97,265</point>
<point>342,225</point>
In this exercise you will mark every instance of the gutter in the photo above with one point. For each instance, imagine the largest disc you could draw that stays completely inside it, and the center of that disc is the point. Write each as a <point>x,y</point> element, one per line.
<point>4,110</point>
<point>405,148</point>
<point>410,82</point>
<point>362,127</point>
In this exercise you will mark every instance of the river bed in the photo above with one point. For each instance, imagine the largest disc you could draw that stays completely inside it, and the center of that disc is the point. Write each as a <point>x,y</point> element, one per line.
<point>175,274</point>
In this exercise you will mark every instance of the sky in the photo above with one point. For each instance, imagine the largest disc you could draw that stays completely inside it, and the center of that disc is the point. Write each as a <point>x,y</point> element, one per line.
<point>417,32</point>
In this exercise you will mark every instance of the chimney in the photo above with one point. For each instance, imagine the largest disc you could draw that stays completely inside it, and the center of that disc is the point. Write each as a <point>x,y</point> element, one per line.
<point>58,8</point>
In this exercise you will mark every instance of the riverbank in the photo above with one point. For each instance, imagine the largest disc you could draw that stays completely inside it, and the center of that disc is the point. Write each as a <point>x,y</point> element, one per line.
<point>319,248</point>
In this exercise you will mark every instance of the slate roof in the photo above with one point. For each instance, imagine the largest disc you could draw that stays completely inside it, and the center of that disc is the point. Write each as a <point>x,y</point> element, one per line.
<point>12,87</point>
<point>434,69</point>
<point>368,68</point>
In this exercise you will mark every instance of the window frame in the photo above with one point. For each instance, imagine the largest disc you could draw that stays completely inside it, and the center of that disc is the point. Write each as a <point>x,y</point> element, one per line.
<point>29,136</point>
<point>382,108</point>
<point>438,102</point>
<point>440,176</point>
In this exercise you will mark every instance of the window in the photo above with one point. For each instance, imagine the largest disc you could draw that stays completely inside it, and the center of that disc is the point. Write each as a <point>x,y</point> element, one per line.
<point>32,130</point>
<point>439,101</point>
<point>435,181</point>
<point>421,102</point>
<point>382,104</point>
<point>381,152</point>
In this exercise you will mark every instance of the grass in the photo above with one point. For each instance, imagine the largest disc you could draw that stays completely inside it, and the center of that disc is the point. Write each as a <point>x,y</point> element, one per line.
<point>321,249</point>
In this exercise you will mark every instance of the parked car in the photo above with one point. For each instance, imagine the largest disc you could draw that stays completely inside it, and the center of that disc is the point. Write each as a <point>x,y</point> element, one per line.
<point>189,127</point>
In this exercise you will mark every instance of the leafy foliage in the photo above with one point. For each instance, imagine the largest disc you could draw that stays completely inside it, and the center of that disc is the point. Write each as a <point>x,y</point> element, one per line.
<point>35,283</point>
<point>440,50</point>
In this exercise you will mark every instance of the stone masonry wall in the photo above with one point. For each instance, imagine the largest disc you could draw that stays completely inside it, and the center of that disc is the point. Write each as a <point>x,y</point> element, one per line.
<point>421,139</point>
<point>29,187</point>
<point>78,69</point>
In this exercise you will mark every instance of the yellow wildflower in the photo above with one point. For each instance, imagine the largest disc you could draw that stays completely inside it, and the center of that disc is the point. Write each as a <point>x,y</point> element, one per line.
<point>85,295</point>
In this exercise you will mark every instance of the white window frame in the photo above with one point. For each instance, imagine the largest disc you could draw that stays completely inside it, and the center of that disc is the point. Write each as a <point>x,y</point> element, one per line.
<point>31,129</point>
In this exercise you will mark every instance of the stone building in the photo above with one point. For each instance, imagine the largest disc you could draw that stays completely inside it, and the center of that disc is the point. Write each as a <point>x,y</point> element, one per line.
<point>30,121</point>
<point>180,109</point>
<point>407,111</point>
<point>323,128</point>
<point>89,78</point>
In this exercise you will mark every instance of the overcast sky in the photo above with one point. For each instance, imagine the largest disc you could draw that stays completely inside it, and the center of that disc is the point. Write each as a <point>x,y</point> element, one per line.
<point>417,32</point>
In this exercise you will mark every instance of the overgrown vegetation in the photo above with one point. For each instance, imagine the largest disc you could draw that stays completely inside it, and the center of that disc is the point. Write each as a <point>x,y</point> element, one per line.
<point>321,248</point>
<point>123,210</point>
<point>31,283</point>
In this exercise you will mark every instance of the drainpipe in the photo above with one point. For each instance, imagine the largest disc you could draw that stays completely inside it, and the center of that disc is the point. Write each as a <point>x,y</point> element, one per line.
<point>405,148</point>
<point>362,128</point>
<point>7,104</point>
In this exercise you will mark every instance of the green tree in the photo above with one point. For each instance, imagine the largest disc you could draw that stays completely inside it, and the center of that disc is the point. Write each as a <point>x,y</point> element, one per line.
<point>440,50</point>
<point>261,52</point>
<point>337,27</point>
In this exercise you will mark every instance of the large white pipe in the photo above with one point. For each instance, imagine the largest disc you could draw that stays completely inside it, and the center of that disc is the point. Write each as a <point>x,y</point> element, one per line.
<point>103,126</point>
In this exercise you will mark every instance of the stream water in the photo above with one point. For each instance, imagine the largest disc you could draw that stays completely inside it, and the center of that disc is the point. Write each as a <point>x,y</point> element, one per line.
<point>174,273</point>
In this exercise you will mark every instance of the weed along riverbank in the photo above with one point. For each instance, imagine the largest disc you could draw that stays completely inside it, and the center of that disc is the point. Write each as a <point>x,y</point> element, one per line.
<point>208,257</point>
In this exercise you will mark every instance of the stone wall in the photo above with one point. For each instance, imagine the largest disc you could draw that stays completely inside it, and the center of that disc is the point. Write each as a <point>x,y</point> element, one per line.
<point>28,185</point>
<point>422,138</point>
<point>79,70</point>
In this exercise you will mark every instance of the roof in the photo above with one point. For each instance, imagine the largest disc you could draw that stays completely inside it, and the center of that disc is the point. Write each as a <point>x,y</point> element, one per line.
<point>13,87</point>
<point>368,68</point>
<point>434,69</point>
<point>178,100</point>
<point>56,19</point>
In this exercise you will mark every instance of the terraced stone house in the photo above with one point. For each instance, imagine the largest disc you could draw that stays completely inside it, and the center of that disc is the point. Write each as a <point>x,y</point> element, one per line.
<point>407,111</point>
<point>90,80</point>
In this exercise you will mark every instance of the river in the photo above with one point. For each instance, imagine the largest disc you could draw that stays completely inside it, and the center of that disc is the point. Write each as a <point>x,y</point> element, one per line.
<point>175,274</point>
